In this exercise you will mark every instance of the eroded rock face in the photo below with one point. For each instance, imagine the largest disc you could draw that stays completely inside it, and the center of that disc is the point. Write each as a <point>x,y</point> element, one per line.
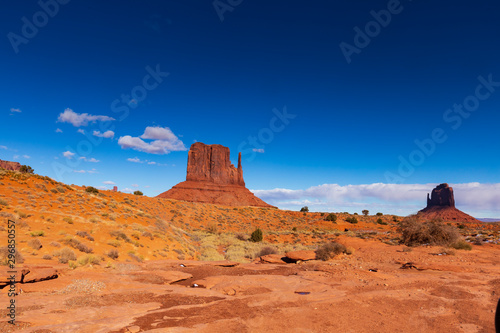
<point>211,178</point>
<point>11,166</point>
<point>441,196</point>
<point>211,163</point>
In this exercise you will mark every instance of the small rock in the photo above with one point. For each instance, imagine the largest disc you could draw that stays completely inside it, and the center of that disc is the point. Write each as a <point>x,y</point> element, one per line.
<point>134,329</point>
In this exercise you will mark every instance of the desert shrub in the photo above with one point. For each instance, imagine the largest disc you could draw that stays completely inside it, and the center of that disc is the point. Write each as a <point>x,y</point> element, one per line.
<point>85,234</point>
<point>4,256</point>
<point>461,245</point>
<point>55,244</point>
<point>304,209</point>
<point>47,257</point>
<point>256,236</point>
<point>64,255</point>
<point>89,259</point>
<point>35,244</point>
<point>37,233</point>
<point>147,234</point>
<point>382,222</point>
<point>241,236</point>
<point>60,189</point>
<point>352,220</point>
<point>461,226</point>
<point>380,214</point>
<point>365,212</point>
<point>113,254</point>
<point>92,190</point>
<point>26,169</point>
<point>84,248</point>
<point>53,190</point>
<point>68,220</point>
<point>395,218</point>
<point>138,193</point>
<point>331,217</point>
<point>349,250</point>
<point>265,251</point>
<point>135,257</point>
<point>415,233</point>
<point>330,250</point>
<point>120,235</point>
<point>211,228</point>
<point>3,203</point>
<point>115,243</point>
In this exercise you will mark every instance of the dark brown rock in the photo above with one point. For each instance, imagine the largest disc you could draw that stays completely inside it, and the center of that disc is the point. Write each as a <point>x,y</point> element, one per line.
<point>441,196</point>
<point>211,178</point>
<point>10,166</point>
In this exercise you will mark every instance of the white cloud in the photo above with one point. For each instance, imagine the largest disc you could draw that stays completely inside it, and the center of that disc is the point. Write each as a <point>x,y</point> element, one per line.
<point>80,119</point>
<point>81,131</point>
<point>16,157</point>
<point>108,182</point>
<point>59,130</point>
<point>69,155</point>
<point>135,160</point>
<point>127,190</point>
<point>15,110</point>
<point>135,185</point>
<point>476,199</point>
<point>26,156</point>
<point>3,147</point>
<point>92,171</point>
<point>164,142</point>
<point>92,160</point>
<point>107,134</point>
<point>258,150</point>
<point>79,171</point>
<point>152,162</point>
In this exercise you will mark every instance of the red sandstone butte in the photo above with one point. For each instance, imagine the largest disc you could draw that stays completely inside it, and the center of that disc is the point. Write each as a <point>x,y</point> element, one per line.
<point>10,166</point>
<point>441,205</point>
<point>211,178</point>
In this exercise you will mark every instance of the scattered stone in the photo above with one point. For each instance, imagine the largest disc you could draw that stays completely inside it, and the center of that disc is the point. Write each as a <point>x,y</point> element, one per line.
<point>272,259</point>
<point>302,255</point>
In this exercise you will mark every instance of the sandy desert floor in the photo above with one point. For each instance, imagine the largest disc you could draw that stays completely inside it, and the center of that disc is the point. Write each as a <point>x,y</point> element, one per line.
<point>367,291</point>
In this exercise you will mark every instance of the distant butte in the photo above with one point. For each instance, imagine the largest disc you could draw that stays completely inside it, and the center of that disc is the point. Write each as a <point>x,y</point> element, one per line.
<point>441,204</point>
<point>211,178</point>
<point>10,166</point>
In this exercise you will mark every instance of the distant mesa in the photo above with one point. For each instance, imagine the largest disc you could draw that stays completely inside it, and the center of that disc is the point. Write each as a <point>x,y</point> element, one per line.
<point>10,166</point>
<point>211,178</point>
<point>441,204</point>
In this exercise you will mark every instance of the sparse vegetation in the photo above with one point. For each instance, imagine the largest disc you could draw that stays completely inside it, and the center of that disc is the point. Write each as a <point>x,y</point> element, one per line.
<point>365,212</point>
<point>92,190</point>
<point>26,169</point>
<point>352,219</point>
<point>330,250</point>
<point>380,214</point>
<point>265,251</point>
<point>414,232</point>
<point>35,244</point>
<point>5,256</point>
<point>256,236</point>
<point>461,245</point>
<point>138,193</point>
<point>39,233</point>
<point>304,209</point>
<point>331,217</point>
<point>382,222</point>
<point>113,254</point>
<point>65,255</point>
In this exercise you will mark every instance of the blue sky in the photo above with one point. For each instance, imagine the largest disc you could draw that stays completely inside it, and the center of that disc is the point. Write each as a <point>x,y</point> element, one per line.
<point>325,93</point>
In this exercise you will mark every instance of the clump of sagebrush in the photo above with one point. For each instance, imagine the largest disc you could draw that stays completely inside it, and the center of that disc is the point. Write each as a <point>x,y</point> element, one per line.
<point>352,220</point>
<point>92,190</point>
<point>330,250</point>
<point>113,254</point>
<point>413,232</point>
<point>265,251</point>
<point>331,217</point>
<point>4,256</point>
<point>461,245</point>
<point>65,255</point>
<point>35,244</point>
<point>256,236</point>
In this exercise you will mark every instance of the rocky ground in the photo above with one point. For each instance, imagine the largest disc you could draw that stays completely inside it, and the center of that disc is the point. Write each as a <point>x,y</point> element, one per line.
<point>375,289</point>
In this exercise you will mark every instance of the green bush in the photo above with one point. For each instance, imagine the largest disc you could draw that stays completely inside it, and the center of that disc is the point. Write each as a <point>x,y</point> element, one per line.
<point>331,217</point>
<point>380,214</point>
<point>26,169</point>
<point>352,220</point>
<point>304,209</point>
<point>380,221</point>
<point>365,212</point>
<point>40,233</point>
<point>256,236</point>
<point>138,193</point>
<point>91,189</point>
<point>113,254</point>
